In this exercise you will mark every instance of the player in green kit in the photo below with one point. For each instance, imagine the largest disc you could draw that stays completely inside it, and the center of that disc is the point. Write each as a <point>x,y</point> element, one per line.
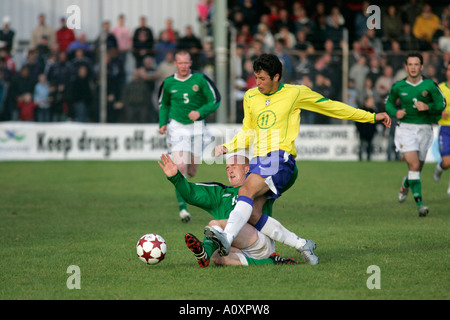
<point>250,246</point>
<point>186,99</point>
<point>421,105</point>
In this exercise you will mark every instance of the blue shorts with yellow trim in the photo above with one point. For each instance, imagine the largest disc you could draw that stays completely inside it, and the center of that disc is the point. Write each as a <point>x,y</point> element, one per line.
<point>444,141</point>
<point>277,167</point>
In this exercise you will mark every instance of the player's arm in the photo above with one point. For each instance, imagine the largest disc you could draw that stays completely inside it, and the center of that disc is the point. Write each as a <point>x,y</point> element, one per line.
<point>315,102</point>
<point>212,96</point>
<point>201,196</point>
<point>164,105</point>
<point>439,102</point>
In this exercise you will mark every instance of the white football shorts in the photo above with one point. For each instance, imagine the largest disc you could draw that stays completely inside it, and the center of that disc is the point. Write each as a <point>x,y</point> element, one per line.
<point>261,249</point>
<point>414,137</point>
<point>186,137</point>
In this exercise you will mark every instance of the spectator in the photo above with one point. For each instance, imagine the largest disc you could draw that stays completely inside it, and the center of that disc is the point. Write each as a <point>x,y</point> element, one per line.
<point>301,41</point>
<point>204,13</point>
<point>410,11</point>
<point>115,80</point>
<point>111,41</point>
<point>265,36</point>
<point>81,94</point>
<point>366,131</point>
<point>319,33</point>
<point>244,36</point>
<point>383,85</point>
<point>304,66</point>
<point>8,61</point>
<point>135,98</point>
<point>286,36</point>
<point>359,72</point>
<point>142,48</point>
<point>64,36</point>
<point>407,41</point>
<point>143,37</point>
<point>444,40</point>
<point>6,34</point>
<point>360,21</point>
<point>42,30</point>
<point>334,30</point>
<point>192,44</point>
<point>42,99</point>
<point>425,26</point>
<point>208,58</point>
<point>301,19</point>
<point>374,69</point>
<point>274,15</point>
<point>123,36</point>
<point>60,75</point>
<point>285,58</point>
<point>163,46</point>
<point>80,43</point>
<point>149,75</point>
<point>284,20</point>
<point>26,107</point>
<point>335,18</point>
<point>392,24</point>
<point>166,68</point>
<point>80,60</point>
<point>172,34</point>
<point>352,94</point>
<point>251,14</point>
<point>396,56</point>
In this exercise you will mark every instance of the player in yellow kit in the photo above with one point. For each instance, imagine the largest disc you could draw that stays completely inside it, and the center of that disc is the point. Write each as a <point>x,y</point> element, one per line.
<point>444,132</point>
<point>271,123</point>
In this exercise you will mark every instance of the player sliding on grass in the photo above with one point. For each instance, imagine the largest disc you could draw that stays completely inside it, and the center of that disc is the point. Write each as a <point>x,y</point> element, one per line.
<point>271,124</point>
<point>250,246</point>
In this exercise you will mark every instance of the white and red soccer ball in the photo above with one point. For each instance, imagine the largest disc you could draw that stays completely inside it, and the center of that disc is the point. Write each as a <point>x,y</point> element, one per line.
<point>151,248</point>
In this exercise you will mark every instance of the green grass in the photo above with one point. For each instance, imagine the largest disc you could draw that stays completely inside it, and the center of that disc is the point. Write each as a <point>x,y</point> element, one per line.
<point>91,214</point>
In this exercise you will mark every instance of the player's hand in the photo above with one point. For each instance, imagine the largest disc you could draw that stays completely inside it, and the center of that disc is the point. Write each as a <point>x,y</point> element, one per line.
<point>421,106</point>
<point>384,118</point>
<point>162,130</point>
<point>194,115</point>
<point>400,114</point>
<point>168,166</point>
<point>219,150</point>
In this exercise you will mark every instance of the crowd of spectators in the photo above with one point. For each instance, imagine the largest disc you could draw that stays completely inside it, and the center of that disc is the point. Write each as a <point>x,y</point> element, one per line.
<point>58,79</point>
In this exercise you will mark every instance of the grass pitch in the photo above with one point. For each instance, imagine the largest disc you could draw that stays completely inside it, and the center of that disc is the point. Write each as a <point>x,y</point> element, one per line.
<point>91,214</point>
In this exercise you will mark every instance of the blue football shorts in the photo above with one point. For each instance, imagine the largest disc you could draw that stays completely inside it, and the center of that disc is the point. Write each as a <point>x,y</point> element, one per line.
<point>277,167</point>
<point>444,141</point>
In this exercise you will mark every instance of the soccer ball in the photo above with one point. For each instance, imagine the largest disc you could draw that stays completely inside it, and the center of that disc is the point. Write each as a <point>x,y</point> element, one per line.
<point>151,248</point>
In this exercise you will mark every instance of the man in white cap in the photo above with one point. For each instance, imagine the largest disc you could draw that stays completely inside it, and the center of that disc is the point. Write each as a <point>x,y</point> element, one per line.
<point>6,34</point>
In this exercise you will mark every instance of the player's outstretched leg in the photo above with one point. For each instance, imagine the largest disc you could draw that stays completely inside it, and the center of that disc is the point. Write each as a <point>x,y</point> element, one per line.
<point>219,238</point>
<point>307,252</point>
<point>196,246</point>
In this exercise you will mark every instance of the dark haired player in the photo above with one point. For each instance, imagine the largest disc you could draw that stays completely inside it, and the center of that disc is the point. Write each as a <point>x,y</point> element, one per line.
<point>421,105</point>
<point>272,123</point>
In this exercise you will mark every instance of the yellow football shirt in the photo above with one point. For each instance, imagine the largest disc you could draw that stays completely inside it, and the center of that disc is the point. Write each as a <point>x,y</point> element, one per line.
<point>446,91</point>
<point>272,122</point>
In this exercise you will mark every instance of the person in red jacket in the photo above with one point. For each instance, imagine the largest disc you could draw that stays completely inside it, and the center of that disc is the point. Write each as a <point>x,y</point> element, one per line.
<point>26,107</point>
<point>64,36</point>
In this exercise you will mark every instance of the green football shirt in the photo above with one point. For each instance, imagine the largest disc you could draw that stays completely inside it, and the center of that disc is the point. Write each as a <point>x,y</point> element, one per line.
<point>406,94</point>
<point>178,97</point>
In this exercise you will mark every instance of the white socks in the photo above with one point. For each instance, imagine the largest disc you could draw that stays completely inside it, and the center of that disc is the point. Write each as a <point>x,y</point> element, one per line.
<point>276,231</point>
<point>238,217</point>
